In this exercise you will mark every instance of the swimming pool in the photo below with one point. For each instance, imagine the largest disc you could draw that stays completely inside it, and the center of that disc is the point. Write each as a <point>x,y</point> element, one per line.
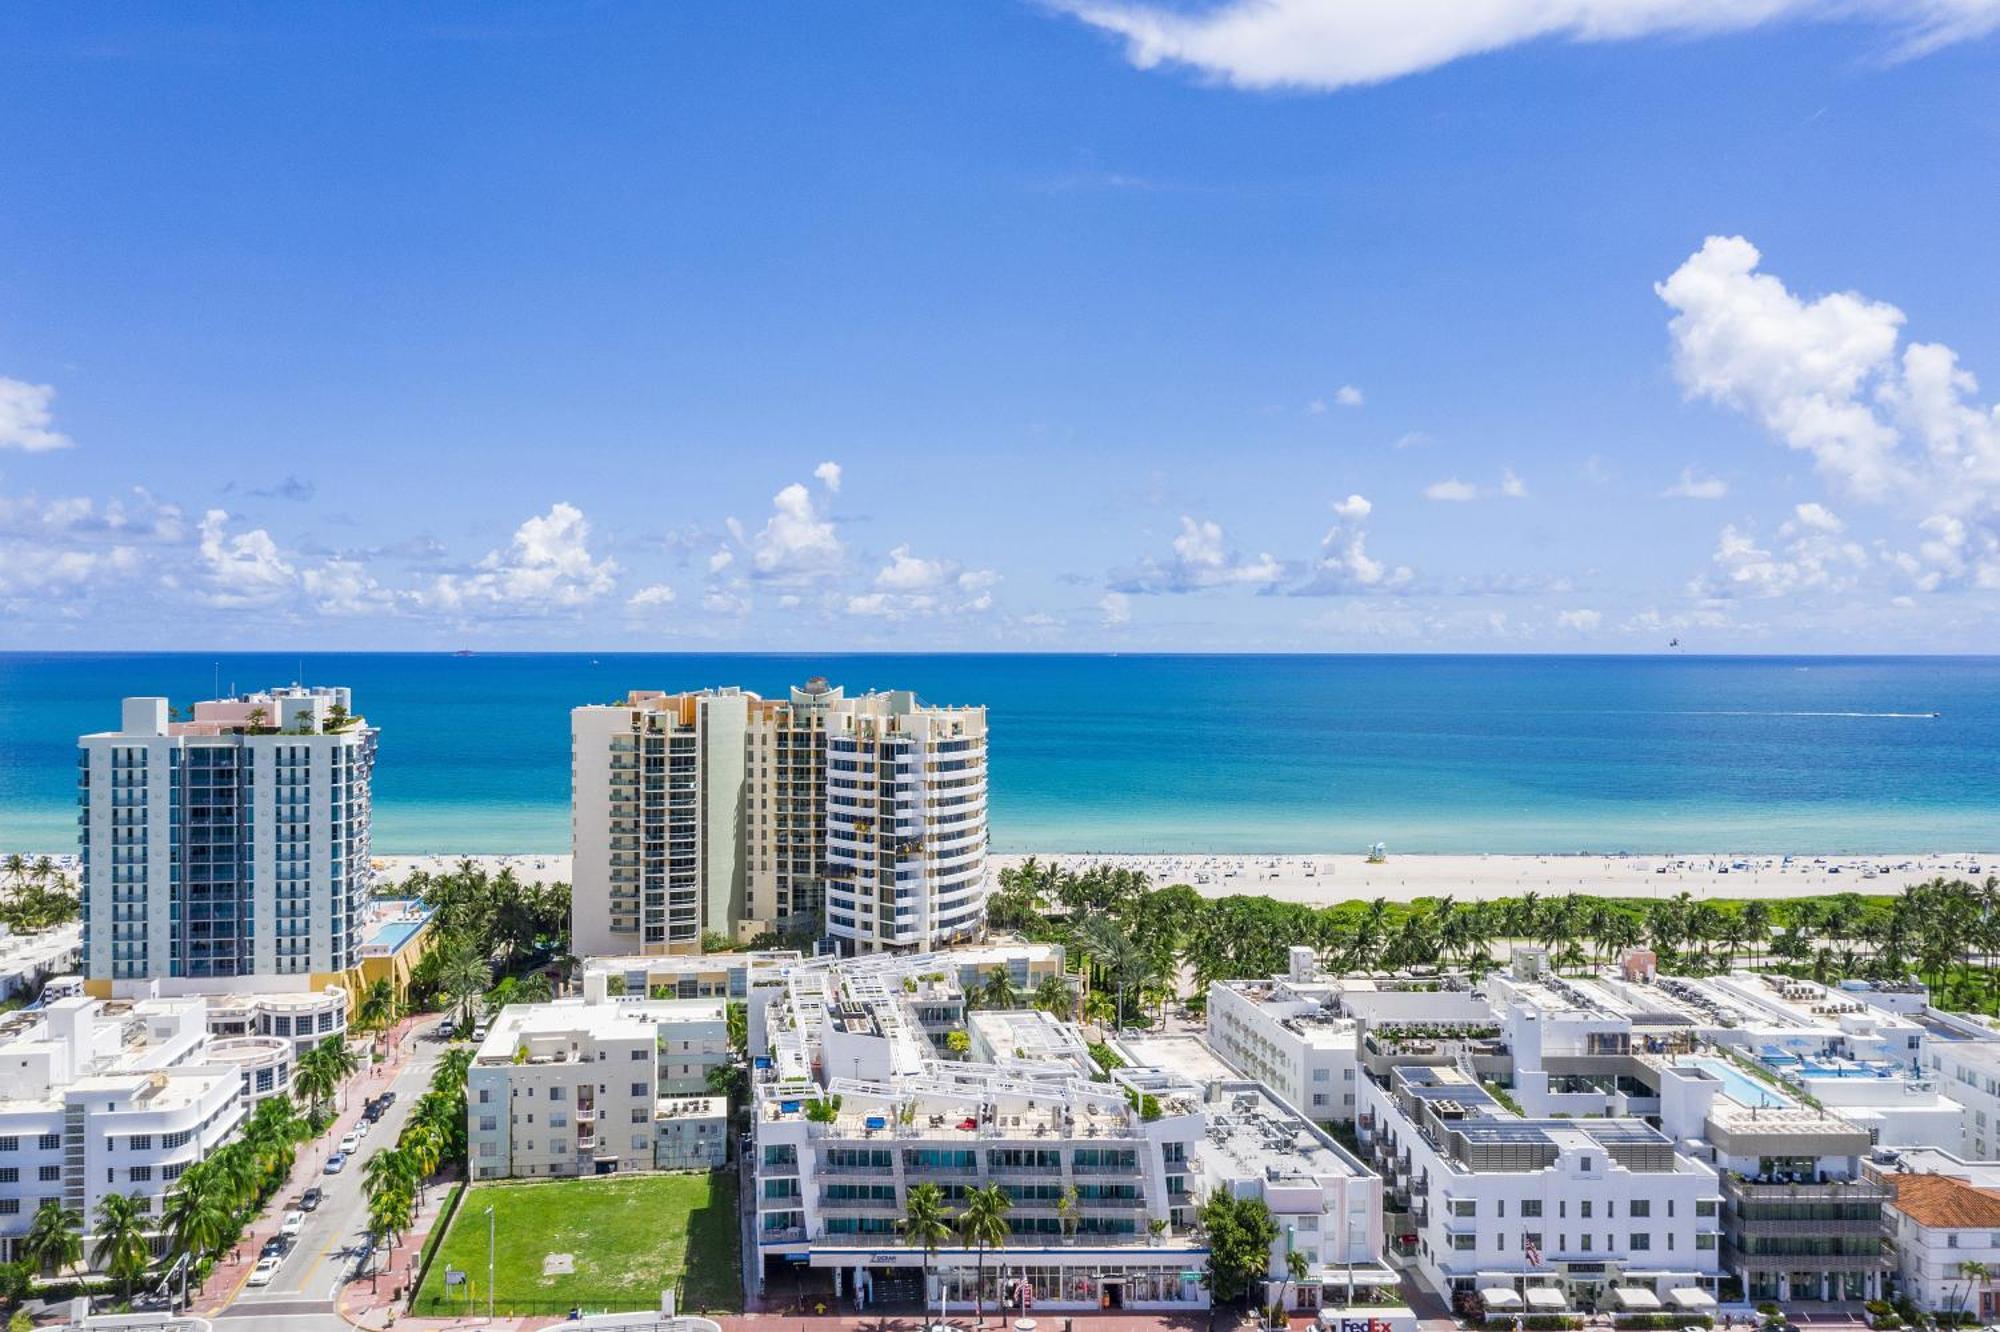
<point>1740,1086</point>
<point>393,934</point>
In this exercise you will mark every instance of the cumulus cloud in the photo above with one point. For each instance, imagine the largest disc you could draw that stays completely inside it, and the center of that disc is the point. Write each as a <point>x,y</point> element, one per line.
<point>1348,396</point>
<point>1329,44</point>
<point>798,542</point>
<point>910,585</point>
<point>548,564</point>
<point>240,568</point>
<point>1451,490</point>
<point>1885,422</point>
<point>1115,608</point>
<point>26,421</point>
<point>1512,486</point>
<point>653,594</point>
<point>1201,559</point>
<point>829,475</point>
<point>1696,487</point>
<point>34,569</point>
<point>343,586</point>
<point>1584,620</point>
<point>1353,509</point>
<point>1811,554</point>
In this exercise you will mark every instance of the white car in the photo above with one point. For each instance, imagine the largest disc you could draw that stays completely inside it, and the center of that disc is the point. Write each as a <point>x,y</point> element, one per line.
<point>261,1274</point>
<point>349,1143</point>
<point>293,1223</point>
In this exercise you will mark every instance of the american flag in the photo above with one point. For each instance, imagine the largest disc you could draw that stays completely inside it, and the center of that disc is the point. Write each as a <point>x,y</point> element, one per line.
<point>1533,1252</point>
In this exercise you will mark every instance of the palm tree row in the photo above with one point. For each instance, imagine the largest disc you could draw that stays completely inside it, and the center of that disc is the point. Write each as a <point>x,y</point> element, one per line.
<point>1136,942</point>
<point>320,1072</point>
<point>394,1179</point>
<point>981,1223</point>
<point>35,895</point>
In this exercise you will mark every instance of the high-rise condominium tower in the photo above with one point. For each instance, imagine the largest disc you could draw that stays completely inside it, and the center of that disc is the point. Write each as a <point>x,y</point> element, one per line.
<point>233,844</point>
<point>720,811</point>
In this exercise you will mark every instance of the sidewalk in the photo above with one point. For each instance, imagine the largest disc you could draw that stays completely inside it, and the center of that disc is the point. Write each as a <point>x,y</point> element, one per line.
<point>226,1281</point>
<point>367,1302</point>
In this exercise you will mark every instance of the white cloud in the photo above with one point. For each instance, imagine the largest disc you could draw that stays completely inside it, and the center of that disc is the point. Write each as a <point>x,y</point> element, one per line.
<point>829,475</point>
<point>797,543</point>
<point>26,423</point>
<point>243,568</point>
<point>723,601</point>
<point>1328,44</point>
<point>35,569</point>
<point>653,594</point>
<point>1584,620</point>
<point>343,586</point>
<point>1202,559</point>
<point>1885,422</point>
<point>1811,555</point>
<point>1345,566</point>
<point>1696,487</point>
<point>548,564</point>
<point>909,585</point>
<point>1115,608</point>
<point>1348,396</point>
<point>1411,439</point>
<point>1452,490</point>
<point>1512,486</point>
<point>1353,509</point>
<point>721,560</point>
<point>908,573</point>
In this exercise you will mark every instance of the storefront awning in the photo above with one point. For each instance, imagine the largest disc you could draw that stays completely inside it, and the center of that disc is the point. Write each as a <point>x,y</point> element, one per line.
<point>1691,1297</point>
<point>1549,1301</point>
<point>1501,1297</point>
<point>1636,1298</point>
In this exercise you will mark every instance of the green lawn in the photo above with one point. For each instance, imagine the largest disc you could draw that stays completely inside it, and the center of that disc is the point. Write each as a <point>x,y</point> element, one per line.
<point>631,1237</point>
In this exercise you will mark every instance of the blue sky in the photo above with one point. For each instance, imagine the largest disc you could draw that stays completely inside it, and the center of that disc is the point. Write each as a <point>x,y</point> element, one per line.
<point>1334,325</point>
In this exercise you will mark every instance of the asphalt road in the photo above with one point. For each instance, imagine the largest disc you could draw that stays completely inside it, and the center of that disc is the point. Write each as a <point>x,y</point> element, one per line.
<point>326,1250</point>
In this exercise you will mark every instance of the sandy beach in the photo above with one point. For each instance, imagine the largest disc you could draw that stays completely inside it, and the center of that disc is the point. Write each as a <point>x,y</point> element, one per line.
<point>1402,878</point>
<point>1328,879</point>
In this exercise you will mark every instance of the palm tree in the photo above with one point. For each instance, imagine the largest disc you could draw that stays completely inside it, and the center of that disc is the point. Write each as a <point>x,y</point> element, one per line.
<point>55,1238</point>
<point>378,1006</point>
<point>982,1222</point>
<point>196,1220</point>
<point>1296,1270</point>
<point>1066,1209</point>
<point>123,1250</point>
<point>390,1210</point>
<point>998,989</point>
<point>926,1224</point>
<point>463,976</point>
<point>1053,995</point>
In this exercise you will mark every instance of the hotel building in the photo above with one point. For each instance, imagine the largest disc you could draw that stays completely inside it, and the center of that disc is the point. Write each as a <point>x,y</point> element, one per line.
<point>232,844</point>
<point>722,812</point>
<point>102,1097</point>
<point>855,1103</point>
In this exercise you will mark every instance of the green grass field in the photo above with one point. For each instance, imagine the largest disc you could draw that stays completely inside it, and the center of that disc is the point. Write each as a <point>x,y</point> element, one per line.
<point>630,1236</point>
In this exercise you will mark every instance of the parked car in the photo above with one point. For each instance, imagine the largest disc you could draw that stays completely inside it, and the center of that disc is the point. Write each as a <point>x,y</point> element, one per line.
<point>445,1029</point>
<point>349,1143</point>
<point>293,1223</point>
<point>274,1247</point>
<point>311,1198</point>
<point>261,1274</point>
<point>335,1163</point>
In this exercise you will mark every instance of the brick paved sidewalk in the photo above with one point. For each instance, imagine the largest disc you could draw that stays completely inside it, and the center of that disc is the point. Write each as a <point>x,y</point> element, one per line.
<point>225,1283</point>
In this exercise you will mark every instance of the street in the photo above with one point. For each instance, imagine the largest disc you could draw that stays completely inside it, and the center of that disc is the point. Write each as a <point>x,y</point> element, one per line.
<point>303,1291</point>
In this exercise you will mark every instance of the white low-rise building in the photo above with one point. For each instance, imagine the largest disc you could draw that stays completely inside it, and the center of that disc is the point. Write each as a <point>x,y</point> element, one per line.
<point>856,1104</point>
<point>589,1086</point>
<point>1946,1237</point>
<point>1483,1199</point>
<point>1286,1032</point>
<point>101,1097</point>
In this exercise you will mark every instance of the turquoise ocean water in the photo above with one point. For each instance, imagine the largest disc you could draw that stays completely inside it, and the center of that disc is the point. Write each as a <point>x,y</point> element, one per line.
<point>1192,753</point>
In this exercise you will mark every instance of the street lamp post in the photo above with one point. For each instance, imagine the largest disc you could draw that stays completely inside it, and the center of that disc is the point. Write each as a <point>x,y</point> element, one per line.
<point>489,1264</point>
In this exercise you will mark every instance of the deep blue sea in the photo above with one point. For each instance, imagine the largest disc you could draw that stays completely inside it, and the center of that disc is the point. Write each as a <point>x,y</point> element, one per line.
<point>1186,753</point>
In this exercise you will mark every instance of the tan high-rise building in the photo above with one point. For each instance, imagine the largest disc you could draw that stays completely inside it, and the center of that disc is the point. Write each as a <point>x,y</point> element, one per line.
<point>709,812</point>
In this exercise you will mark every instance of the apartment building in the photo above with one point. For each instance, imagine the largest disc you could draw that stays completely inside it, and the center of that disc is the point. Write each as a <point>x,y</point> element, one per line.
<point>596,1085</point>
<point>906,824</point>
<point>723,812</point>
<point>856,1102</point>
<point>1961,1056</point>
<point>232,844</point>
<point>1560,1211</point>
<point>104,1097</point>
<point>1285,1032</point>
